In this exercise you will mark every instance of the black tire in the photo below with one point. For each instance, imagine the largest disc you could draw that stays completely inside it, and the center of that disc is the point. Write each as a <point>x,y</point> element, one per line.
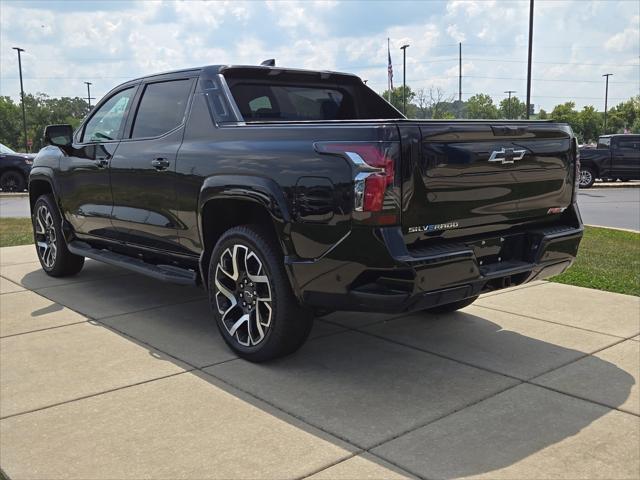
<point>587,177</point>
<point>452,307</point>
<point>55,258</point>
<point>247,266</point>
<point>12,181</point>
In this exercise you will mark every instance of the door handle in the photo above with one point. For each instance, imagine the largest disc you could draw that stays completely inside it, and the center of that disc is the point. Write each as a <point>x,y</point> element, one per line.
<point>160,163</point>
<point>102,162</point>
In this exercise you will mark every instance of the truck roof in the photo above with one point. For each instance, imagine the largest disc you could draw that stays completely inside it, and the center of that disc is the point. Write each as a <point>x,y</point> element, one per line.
<point>216,69</point>
<point>609,135</point>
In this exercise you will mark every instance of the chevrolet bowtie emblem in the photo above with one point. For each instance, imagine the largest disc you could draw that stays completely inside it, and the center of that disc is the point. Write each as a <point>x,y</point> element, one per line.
<point>506,155</point>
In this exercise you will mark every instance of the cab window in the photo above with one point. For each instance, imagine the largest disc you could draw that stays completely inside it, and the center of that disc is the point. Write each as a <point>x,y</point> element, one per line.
<point>107,121</point>
<point>162,108</point>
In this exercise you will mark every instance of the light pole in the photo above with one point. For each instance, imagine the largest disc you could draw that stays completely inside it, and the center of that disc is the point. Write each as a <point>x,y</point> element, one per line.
<point>529,59</point>
<point>509,102</point>
<point>606,98</point>
<point>89,97</point>
<point>24,115</point>
<point>404,78</point>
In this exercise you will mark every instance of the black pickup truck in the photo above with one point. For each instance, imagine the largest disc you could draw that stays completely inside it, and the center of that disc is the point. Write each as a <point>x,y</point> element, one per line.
<point>290,193</point>
<point>615,157</point>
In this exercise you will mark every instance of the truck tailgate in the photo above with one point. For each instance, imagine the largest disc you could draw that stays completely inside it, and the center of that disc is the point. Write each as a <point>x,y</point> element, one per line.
<point>462,177</point>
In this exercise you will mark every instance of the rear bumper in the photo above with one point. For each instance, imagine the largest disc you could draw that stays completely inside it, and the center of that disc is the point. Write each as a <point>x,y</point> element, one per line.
<point>372,269</point>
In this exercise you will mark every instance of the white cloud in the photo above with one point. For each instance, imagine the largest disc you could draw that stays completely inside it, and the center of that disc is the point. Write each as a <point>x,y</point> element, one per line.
<point>455,33</point>
<point>571,41</point>
<point>626,40</point>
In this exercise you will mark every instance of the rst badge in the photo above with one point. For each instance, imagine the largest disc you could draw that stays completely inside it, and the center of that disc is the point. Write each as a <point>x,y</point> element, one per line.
<point>433,228</point>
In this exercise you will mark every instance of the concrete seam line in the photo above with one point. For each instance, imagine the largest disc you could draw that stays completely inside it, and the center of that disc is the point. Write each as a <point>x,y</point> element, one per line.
<point>44,329</point>
<point>280,409</point>
<point>148,309</point>
<point>551,321</point>
<point>437,354</point>
<point>328,466</point>
<point>393,317</point>
<point>514,289</point>
<point>102,392</point>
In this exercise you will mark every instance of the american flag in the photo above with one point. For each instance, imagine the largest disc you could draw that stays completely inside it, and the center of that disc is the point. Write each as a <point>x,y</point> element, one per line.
<point>389,68</point>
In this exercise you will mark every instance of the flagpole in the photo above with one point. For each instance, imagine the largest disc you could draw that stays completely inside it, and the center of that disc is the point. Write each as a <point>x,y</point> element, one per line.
<point>388,76</point>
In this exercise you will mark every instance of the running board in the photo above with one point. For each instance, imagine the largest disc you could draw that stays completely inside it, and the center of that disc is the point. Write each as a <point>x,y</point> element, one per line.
<point>166,273</point>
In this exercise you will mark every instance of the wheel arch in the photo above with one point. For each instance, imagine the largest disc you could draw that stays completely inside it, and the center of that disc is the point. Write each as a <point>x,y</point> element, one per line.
<point>227,201</point>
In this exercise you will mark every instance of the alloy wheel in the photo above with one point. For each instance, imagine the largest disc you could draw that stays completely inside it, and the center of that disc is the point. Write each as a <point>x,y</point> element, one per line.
<point>585,177</point>
<point>243,295</point>
<point>46,236</point>
<point>10,182</point>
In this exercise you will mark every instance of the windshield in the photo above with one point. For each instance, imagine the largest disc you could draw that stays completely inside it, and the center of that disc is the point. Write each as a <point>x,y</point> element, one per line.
<point>6,150</point>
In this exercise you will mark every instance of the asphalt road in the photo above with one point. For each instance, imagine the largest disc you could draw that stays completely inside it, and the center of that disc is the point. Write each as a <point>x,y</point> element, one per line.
<point>611,207</point>
<point>14,205</point>
<point>608,207</point>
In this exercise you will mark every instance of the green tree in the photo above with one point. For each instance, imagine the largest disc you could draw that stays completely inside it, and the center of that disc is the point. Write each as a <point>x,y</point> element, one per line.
<point>481,106</point>
<point>513,108</point>
<point>396,97</point>
<point>10,124</point>
<point>624,115</point>
<point>41,110</point>
<point>589,124</point>
<point>566,113</point>
<point>542,114</point>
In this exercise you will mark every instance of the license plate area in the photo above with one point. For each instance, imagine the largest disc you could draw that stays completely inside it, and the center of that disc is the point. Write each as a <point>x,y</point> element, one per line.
<point>495,250</point>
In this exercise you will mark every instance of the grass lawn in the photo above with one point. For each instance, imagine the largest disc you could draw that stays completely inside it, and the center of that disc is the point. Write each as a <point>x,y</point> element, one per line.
<point>608,259</point>
<point>15,231</point>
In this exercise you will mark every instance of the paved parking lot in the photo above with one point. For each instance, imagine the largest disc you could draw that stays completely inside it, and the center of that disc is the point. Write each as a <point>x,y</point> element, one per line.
<point>111,375</point>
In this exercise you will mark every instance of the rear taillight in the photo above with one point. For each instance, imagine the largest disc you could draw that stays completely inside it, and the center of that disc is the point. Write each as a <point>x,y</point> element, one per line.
<point>374,172</point>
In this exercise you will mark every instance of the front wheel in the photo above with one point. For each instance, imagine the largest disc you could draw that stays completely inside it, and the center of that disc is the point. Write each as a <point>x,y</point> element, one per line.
<point>254,306</point>
<point>12,181</point>
<point>587,177</point>
<point>452,307</point>
<point>56,260</point>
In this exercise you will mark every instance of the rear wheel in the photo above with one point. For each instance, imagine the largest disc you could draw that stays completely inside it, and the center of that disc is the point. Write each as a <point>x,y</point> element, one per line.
<point>12,181</point>
<point>251,298</point>
<point>587,177</point>
<point>56,260</point>
<point>452,307</point>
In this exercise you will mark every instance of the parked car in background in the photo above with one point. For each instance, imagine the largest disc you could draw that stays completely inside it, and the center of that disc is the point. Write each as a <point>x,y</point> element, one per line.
<point>288,193</point>
<point>615,157</point>
<point>14,169</point>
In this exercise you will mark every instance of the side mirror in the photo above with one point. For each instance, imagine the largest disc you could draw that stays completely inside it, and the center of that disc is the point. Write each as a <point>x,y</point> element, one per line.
<point>58,135</point>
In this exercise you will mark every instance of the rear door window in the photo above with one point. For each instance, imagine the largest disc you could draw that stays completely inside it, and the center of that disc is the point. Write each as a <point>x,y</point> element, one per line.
<point>162,108</point>
<point>629,143</point>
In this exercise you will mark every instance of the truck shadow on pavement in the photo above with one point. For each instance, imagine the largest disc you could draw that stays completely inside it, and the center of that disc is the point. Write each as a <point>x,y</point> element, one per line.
<point>441,396</point>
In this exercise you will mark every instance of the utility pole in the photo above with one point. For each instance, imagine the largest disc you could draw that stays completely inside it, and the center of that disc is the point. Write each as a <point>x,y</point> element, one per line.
<point>606,98</point>
<point>509,102</point>
<point>24,115</point>
<point>529,62</point>
<point>404,78</point>
<point>89,97</point>
<point>460,72</point>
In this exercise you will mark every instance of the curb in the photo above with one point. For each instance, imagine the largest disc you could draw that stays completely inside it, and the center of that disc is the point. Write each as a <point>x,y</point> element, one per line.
<point>613,228</point>
<point>13,194</point>
<point>613,185</point>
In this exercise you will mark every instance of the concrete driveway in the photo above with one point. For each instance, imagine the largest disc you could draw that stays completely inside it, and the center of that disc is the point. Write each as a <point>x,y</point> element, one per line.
<point>111,375</point>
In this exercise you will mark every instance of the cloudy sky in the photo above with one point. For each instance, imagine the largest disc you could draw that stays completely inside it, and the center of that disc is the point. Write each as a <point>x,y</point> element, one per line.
<point>108,42</point>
